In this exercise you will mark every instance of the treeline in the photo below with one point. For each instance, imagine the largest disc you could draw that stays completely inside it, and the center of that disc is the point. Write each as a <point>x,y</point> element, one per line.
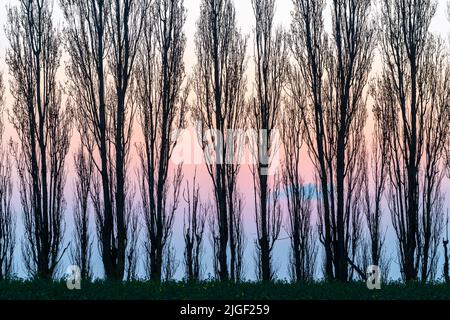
<point>126,73</point>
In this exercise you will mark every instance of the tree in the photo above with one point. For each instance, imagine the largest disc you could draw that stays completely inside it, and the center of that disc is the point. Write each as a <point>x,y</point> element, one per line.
<point>44,129</point>
<point>239,240</point>
<point>102,38</point>
<point>125,28</point>
<point>194,229</point>
<point>308,43</point>
<point>446,256</point>
<point>271,57</point>
<point>375,178</point>
<point>171,263</point>
<point>445,241</point>
<point>7,220</point>
<point>133,251</point>
<point>436,127</point>
<point>238,236</point>
<point>335,69</point>
<point>162,108</point>
<point>220,86</point>
<point>299,197</point>
<point>412,102</point>
<point>86,43</point>
<point>81,253</point>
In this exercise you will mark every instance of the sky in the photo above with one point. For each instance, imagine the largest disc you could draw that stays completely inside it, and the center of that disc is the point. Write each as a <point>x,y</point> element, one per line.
<point>245,19</point>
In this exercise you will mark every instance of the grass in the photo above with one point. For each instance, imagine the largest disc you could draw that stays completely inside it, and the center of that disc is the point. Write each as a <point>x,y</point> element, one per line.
<point>41,290</point>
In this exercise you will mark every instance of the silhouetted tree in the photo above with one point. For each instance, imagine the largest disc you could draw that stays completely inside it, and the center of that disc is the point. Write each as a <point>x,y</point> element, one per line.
<point>375,177</point>
<point>44,129</point>
<point>133,252</point>
<point>7,220</point>
<point>162,107</point>
<point>436,127</point>
<point>81,252</point>
<point>348,70</point>
<point>194,229</point>
<point>220,86</point>
<point>170,264</point>
<point>271,57</point>
<point>335,70</point>
<point>125,28</point>
<point>299,197</point>
<point>445,242</point>
<point>411,103</point>
<point>102,38</point>
<point>240,241</point>
<point>308,44</point>
<point>86,43</point>
<point>239,236</point>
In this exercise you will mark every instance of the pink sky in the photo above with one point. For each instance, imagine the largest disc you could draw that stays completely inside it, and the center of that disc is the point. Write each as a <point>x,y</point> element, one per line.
<point>245,18</point>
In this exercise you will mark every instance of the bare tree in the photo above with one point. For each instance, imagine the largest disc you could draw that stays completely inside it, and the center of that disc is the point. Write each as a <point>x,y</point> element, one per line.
<point>412,103</point>
<point>214,241</point>
<point>81,252</point>
<point>239,239</point>
<point>134,228</point>
<point>102,39</point>
<point>271,60</point>
<point>220,86</point>
<point>445,242</point>
<point>335,70</point>
<point>162,107</point>
<point>44,129</point>
<point>194,229</point>
<point>436,127</point>
<point>7,220</point>
<point>170,264</point>
<point>308,45</point>
<point>299,196</point>
<point>348,70</point>
<point>126,22</point>
<point>86,43</point>
<point>356,207</point>
<point>375,186</point>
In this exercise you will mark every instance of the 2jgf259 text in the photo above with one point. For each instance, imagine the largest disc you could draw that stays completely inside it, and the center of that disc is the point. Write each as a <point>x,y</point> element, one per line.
<point>227,310</point>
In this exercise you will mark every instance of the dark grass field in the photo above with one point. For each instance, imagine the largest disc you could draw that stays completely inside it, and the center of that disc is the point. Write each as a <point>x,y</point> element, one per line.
<point>40,290</point>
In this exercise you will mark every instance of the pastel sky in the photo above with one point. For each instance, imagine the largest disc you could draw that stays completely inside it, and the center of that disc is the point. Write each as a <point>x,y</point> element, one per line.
<point>440,25</point>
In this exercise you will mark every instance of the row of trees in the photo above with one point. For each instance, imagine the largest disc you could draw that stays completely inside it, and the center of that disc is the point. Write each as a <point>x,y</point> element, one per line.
<point>126,68</point>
